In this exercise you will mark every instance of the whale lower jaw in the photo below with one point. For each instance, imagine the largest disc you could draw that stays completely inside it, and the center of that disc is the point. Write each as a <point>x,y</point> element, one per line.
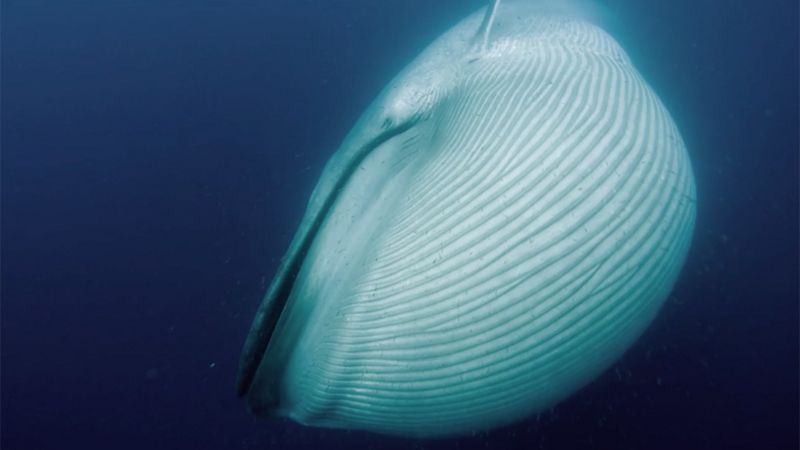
<point>492,260</point>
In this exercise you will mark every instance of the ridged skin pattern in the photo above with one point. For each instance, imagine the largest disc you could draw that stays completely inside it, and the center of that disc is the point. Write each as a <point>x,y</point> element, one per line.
<point>532,224</point>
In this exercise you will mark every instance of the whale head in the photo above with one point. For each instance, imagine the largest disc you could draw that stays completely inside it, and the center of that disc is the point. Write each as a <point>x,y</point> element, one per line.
<point>501,223</point>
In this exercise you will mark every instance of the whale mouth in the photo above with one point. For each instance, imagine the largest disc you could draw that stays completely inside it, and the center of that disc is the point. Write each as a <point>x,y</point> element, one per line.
<point>279,292</point>
<point>488,239</point>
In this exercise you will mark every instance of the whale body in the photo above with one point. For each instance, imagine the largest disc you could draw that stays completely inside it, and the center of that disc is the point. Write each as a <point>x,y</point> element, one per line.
<point>499,226</point>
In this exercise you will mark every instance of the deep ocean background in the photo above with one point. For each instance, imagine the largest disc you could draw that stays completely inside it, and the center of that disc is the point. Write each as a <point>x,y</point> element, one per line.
<point>157,157</point>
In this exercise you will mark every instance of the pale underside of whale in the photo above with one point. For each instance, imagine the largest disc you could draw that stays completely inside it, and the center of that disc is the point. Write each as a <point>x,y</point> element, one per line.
<point>499,226</point>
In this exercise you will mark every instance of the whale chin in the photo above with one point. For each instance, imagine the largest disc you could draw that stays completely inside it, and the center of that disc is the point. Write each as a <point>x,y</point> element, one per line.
<point>497,229</point>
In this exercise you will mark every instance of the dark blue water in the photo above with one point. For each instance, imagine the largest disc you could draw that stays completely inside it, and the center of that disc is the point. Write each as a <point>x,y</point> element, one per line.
<point>157,156</point>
